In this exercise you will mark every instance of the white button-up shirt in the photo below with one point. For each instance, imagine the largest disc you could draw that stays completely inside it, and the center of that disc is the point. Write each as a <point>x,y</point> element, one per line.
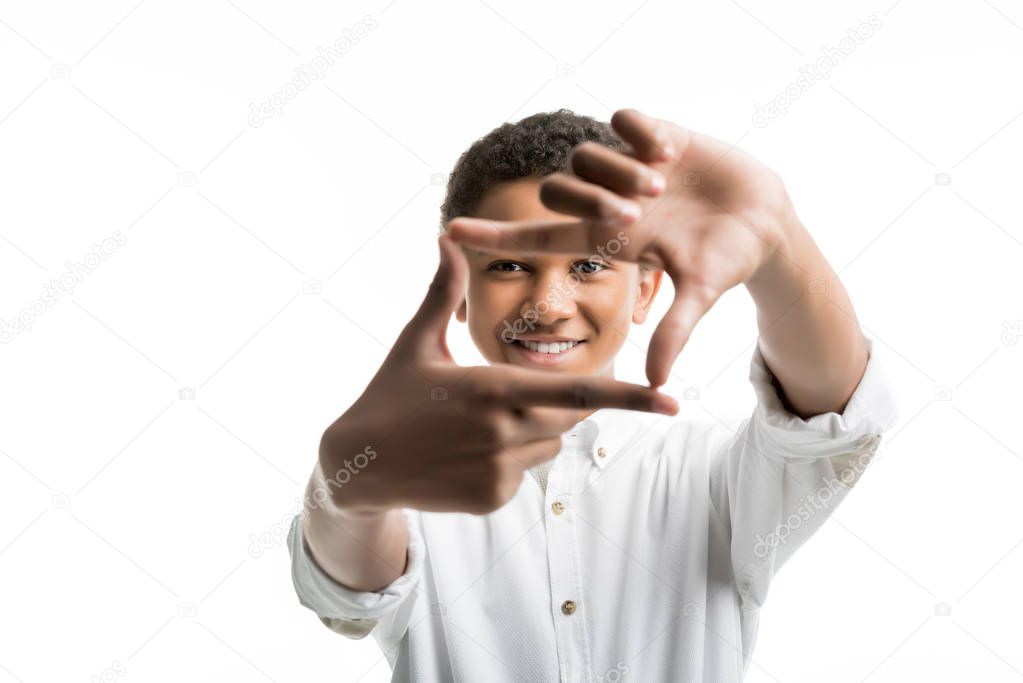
<point>647,556</point>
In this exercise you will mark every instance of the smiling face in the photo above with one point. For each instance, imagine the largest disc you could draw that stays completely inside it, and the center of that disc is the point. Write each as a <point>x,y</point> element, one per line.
<point>556,312</point>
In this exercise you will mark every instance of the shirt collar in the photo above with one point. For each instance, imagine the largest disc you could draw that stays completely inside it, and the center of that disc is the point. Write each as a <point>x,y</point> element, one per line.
<point>606,433</point>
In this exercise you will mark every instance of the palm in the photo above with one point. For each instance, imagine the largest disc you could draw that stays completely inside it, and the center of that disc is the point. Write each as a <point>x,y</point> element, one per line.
<point>710,223</point>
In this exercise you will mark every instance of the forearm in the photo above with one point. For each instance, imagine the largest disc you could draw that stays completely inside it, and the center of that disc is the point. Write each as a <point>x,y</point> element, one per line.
<point>362,550</point>
<point>809,335</point>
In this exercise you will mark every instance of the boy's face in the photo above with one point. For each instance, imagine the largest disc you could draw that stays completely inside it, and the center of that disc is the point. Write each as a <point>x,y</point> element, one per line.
<point>515,301</point>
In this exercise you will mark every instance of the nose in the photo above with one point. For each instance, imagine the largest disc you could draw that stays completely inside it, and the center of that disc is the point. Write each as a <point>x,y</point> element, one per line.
<point>551,299</point>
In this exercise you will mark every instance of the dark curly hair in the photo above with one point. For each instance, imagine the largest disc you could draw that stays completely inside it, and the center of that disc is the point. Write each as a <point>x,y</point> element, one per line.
<point>538,145</point>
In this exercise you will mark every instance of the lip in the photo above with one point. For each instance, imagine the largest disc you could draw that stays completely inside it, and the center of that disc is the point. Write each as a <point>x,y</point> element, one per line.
<point>545,359</point>
<point>549,338</point>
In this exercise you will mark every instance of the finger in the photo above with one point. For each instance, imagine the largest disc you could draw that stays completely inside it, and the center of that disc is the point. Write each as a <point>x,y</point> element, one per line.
<point>690,304</point>
<point>582,238</point>
<point>534,452</point>
<point>519,387</point>
<point>647,135</point>
<point>617,172</point>
<point>577,197</point>
<point>425,332</point>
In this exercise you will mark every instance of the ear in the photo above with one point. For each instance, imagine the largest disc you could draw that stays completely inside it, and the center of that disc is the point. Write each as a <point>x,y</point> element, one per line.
<point>649,283</point>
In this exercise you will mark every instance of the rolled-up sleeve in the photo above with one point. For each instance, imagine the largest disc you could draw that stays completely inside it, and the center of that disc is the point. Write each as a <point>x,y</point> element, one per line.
<point>353,613</point>
<point>778,477</point>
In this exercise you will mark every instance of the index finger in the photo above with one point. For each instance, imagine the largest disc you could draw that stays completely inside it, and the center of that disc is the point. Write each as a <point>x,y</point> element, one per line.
<point>582,238</point>
<point>519,387</point>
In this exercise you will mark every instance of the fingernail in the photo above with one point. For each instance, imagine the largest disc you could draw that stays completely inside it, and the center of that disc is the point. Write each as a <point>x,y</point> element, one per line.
<point>629,213</point>
<point>657,183</point>
<point>665,404</point>
<point>667,153</point>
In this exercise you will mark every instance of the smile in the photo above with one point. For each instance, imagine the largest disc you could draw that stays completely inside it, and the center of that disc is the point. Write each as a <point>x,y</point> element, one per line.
<point>547,347</point>
<point>546,352</point>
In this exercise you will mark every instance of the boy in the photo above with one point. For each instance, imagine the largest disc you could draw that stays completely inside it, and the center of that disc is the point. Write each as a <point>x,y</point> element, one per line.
<point>640,547</point>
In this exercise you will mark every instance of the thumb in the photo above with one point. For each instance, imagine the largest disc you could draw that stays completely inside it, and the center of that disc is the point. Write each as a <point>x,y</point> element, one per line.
<point>425,333</point>
<point>674,330</point>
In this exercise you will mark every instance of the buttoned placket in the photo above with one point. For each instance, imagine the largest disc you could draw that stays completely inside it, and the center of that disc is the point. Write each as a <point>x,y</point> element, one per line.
<point>568,604</point>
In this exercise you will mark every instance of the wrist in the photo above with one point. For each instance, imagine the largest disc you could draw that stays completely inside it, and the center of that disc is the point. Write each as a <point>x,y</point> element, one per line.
<point>780,277</point>
<point>343,500</point>
<point>363,554</point>
<point>327,518</point>
<point>781,242</point>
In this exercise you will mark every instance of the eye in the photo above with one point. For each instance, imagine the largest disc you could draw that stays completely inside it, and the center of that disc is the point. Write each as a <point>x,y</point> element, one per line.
<point>589,267</point>
<point>505,267</point>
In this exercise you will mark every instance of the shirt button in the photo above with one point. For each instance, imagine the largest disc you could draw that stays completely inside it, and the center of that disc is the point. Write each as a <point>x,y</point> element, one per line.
<point>568,607</point>
<point>558,507</point>
<point>602,452</point>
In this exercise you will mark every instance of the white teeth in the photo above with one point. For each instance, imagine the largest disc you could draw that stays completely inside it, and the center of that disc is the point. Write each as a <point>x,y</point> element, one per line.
<point>547,347</point>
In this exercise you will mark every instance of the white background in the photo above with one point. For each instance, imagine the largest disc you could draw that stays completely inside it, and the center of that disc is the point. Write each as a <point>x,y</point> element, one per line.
<point>128,514</point>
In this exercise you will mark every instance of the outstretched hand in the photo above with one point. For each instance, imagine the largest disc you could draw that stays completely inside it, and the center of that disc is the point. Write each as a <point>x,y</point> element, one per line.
<point>705,212</point>
<point>447,438</point>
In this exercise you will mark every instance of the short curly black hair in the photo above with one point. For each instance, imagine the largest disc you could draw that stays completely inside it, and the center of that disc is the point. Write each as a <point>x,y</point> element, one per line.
<point>537,145</point>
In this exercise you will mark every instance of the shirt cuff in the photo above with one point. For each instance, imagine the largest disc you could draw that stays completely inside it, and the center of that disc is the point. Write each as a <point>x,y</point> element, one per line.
<point>346,611</point>
<point>871,410</point>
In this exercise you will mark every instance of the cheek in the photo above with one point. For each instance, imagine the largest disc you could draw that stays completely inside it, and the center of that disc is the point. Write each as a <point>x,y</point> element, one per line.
<point>613,304</point>
<point>490,303</point>
<point>487,308</point>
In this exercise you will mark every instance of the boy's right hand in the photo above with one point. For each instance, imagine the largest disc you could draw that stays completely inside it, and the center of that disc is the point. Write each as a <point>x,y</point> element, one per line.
<point>447,438</point>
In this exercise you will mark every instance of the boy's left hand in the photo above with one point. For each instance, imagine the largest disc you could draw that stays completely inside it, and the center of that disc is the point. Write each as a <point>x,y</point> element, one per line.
<point>717,216</point>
